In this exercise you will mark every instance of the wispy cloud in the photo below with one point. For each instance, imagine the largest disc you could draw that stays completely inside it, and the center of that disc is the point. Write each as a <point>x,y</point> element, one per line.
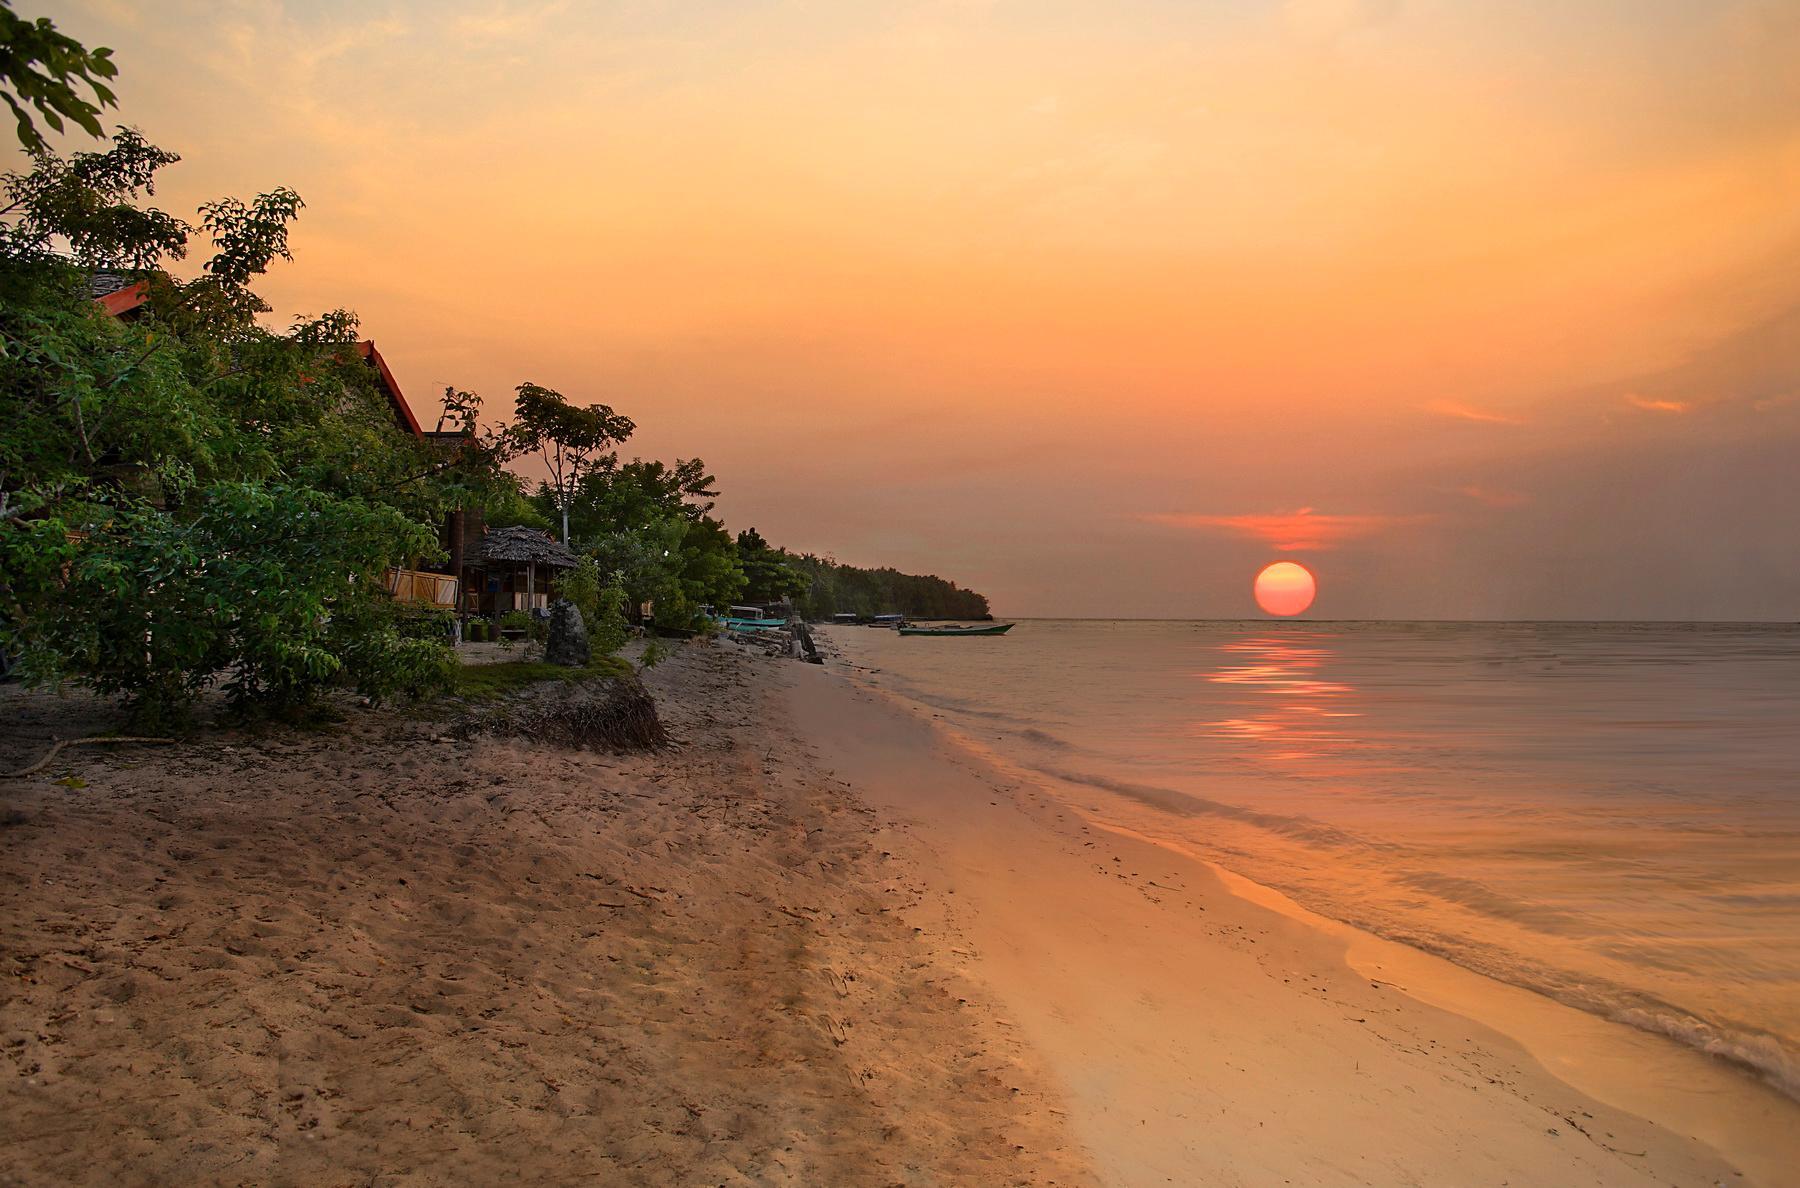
<point>1328,19</point>
<point>1650,404</point>
<point>1494,496</point>
<point>506,22</point>
<point>1301,529</point>
<point>1465,412</point>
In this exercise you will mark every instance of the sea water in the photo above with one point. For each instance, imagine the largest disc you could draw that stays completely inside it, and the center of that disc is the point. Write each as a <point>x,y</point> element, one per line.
<point>1606,813</point>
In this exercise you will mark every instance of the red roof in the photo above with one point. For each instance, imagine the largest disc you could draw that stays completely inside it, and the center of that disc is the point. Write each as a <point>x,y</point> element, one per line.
<point>122,301</point>
<point>402,411</point>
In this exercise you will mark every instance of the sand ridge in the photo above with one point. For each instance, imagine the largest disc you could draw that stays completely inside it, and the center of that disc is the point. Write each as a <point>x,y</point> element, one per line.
<point>376,956</point>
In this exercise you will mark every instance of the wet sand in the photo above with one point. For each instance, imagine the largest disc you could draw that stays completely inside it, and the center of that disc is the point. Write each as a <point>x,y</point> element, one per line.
<point>1209,1032</point>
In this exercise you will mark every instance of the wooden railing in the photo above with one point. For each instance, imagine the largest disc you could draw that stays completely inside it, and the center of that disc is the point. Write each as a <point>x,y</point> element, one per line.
<point>413,585</point>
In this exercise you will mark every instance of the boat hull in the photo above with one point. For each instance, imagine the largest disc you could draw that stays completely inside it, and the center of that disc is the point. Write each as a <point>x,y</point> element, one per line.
<point>997,629</point>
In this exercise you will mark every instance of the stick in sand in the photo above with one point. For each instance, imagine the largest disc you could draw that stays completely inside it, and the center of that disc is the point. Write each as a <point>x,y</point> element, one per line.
<point>80,742</point>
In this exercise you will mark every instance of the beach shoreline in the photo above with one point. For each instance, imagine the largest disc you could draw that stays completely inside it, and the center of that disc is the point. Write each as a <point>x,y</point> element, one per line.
<point>820,940</point>
<point>1526,1059</point>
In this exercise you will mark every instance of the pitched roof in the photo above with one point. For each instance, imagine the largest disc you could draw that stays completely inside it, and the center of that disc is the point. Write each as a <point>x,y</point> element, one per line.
<point>403,412</point>
<point>117,293</point>
<point>520,544</point>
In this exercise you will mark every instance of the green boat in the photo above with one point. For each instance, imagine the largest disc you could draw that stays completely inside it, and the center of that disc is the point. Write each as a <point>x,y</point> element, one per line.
<point>751,624</point>
<point>995,629</point>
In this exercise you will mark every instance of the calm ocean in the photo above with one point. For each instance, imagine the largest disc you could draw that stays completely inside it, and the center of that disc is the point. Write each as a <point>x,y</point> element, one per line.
<point>1607,813</point>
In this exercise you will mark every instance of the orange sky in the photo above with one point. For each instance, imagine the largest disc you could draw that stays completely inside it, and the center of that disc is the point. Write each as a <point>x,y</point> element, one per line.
<point>1082,304</point>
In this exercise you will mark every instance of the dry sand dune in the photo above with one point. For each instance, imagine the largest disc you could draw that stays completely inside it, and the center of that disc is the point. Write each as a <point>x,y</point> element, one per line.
<point>369,957</point>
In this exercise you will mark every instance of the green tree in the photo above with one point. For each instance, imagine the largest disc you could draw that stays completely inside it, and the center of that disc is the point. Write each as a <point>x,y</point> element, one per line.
<point>636,495</point>
<point>187,495</point>
<point>581,586</point>
<point>769,576</point>
<point>571,440</point>
<point>249,583</point>
<point>709,573</point>
<point>42,70</point>
<point>91,201</point>
<point>610,628</point>
<point>645,561</point>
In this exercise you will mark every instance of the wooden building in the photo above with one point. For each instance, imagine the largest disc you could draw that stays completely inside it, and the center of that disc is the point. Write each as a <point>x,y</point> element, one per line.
<point>512,569</point>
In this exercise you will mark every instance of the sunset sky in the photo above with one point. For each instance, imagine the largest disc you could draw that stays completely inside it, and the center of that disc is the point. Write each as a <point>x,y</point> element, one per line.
<point>1477,309</point>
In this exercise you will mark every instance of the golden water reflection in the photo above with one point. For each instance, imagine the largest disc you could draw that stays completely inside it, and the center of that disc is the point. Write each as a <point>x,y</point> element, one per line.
<point>1305,718</point>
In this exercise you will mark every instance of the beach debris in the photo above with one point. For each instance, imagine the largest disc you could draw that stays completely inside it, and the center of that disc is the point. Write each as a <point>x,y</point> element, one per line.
<point>567,641</point>
<point>100,741</point>
<point>613,713</point>
<point>794,640</point>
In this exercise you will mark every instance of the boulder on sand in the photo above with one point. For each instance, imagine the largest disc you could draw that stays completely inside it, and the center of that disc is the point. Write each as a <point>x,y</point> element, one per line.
<point>568,639</point>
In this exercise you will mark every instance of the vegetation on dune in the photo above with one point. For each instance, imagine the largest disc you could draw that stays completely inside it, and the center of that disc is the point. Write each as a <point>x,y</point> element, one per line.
<point>612,715</point>
<point>188,495</point>
<point>483,682</point>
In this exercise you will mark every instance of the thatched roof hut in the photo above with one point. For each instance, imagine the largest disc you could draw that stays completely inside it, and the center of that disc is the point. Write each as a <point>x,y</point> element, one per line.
<point>514,569</point>
<point>520,545</point>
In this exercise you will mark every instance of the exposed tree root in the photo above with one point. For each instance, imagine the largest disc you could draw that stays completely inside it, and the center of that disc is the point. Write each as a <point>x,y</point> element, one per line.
<point>98,741</point>
<point>616,714</point>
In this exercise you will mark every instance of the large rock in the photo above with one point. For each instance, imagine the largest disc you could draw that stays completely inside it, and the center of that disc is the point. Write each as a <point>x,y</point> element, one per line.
<point>568,639</point>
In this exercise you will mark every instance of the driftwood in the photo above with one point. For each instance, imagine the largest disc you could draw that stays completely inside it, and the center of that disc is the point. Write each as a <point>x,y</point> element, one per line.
<point>795,640</point>
<point>613,714</point>
<point>101,741</point>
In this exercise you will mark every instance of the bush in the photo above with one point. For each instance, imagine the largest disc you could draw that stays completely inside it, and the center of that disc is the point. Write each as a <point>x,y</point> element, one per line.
<point>581,586</point>
<point>608,629</point>
<point>394,651</point>
<point>515,620</point>
<point>266,585</point>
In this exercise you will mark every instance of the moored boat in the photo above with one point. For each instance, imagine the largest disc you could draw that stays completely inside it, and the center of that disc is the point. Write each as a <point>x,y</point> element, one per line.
<point>734,624</point>
<point>749,618</point>
<point>990,629</point>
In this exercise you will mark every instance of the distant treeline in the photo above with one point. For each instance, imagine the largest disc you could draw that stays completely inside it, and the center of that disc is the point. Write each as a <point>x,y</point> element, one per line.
<point>820,588</point>
<point>845,589</point>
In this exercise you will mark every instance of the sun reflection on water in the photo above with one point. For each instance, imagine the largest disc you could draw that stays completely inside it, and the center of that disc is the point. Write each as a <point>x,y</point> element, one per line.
<point>1299,725</point>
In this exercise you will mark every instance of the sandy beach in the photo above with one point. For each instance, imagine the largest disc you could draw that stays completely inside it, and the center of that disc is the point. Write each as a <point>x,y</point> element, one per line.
<point>819,941</point>
<point>371,956</point>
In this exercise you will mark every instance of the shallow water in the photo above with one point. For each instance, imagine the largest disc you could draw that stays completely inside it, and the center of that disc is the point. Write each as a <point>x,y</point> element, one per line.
<point>1608,813</point>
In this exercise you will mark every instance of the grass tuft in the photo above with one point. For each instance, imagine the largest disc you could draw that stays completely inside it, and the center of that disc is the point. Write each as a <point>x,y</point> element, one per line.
<point>486,682</point>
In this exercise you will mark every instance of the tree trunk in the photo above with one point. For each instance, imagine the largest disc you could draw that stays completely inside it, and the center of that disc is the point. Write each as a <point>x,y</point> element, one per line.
<point>456,571</point>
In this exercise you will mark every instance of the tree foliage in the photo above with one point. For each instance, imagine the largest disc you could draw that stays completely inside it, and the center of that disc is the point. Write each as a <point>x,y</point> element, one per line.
<point>570,439</point>
<point>769,574</point>
<point>263,582</point>
<point>41,72</point>
<point>91,201</point>
<point>834,589</point>
<point>187,496</point>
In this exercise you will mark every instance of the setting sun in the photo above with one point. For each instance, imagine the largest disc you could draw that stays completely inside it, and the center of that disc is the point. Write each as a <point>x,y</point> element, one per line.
<point>1285,588</point>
